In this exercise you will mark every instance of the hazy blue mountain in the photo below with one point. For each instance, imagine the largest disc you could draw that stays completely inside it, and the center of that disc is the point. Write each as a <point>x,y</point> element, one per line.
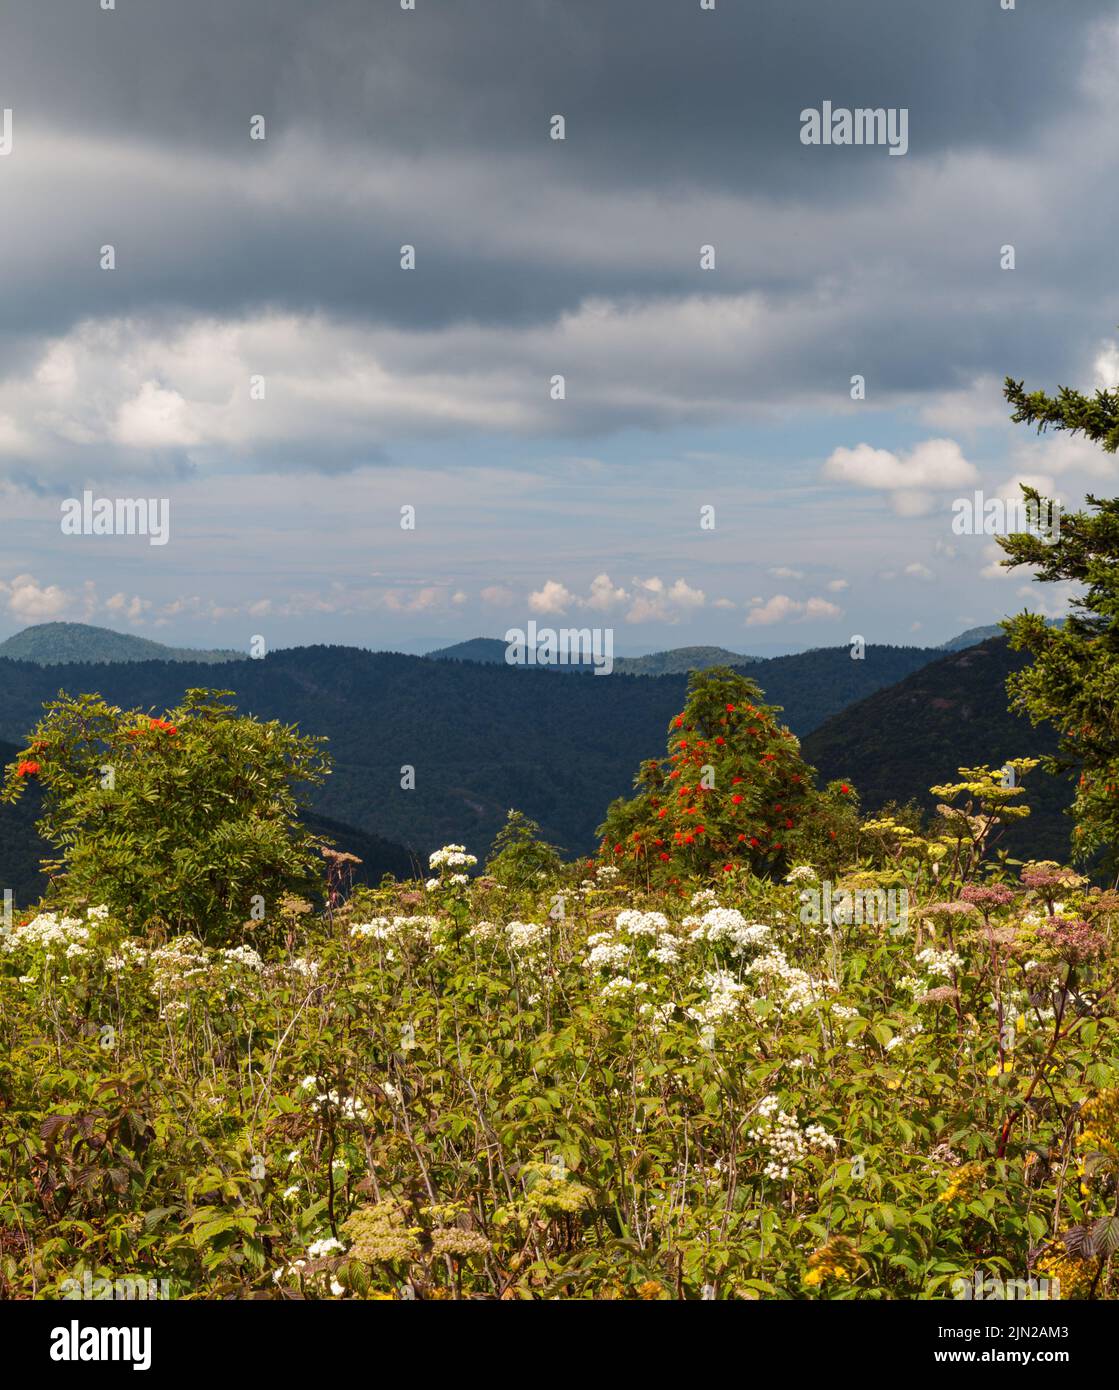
<point>974,635</point>
<point>485,649</point>
<point>52,644</point>
<point>677,661</point>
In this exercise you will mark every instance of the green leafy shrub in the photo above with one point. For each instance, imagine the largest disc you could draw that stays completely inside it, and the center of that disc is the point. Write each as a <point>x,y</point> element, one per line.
<point>182,823</point>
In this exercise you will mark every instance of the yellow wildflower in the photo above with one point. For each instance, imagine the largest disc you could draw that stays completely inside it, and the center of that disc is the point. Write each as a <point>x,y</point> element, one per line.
<point>838,1259</point>
<point>965,1182</point>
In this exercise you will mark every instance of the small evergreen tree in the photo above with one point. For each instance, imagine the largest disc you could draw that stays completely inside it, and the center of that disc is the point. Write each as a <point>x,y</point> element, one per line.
<point>732,793</point>
<point>519,857</point>
<point>1073,681</point>
<point>187,823</point>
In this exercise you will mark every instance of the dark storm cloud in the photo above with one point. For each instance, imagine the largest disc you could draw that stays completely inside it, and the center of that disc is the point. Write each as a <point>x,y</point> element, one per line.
<point>387,127</point>
<point>653,89</point>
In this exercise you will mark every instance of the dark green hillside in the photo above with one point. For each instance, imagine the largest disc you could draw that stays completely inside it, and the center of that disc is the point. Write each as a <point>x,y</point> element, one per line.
<point>681,660</point>
<point>897,743</point>
<point>20,847</point>
<point>813,686</point>
<point>482,738</point>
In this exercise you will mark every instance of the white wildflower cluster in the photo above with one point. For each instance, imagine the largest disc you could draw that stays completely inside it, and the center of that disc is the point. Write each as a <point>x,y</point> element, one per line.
<point>941,963</point>
<point>456,880</point>
<point>348,1107</point>
<point>244,955</point>
<point>451,857</point>
<point>48,932</point>
<point>723,993</point>
<point>395,929</point>
<point>706,897</point>
<point>526,937</point>
<point>635,923</point>
<point>653,928</point>
<point>175,965</point>
<point>606,873</point>
<point>802,872</point>
<point>659,1015</point>
<point>606,953</point>
<point>132,954</point>
<point>844,1013</point>
<point>622,984</point>
<point>317,1250</point>
<point>727,925</point>
<point>783,1139</point>
<point>794,990</point>
<point>300,965</point>
<point>486,931</point>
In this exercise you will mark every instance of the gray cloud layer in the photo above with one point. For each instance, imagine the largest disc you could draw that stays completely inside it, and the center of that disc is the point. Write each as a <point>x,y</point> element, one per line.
<point>386,127</point>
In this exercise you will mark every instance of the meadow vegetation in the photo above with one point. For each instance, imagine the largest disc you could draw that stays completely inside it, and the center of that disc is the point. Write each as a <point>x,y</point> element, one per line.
<point>582,1080</point>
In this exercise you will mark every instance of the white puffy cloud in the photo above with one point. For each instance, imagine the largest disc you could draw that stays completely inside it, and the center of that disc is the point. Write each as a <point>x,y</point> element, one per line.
<point>1050,600</point>
<point>554,597</point>
<point>1053,455</point>
<point>648,600</point>
<point>994,568</point>
<point>32,602</point>
<point>1106,367</point>
<point>909,479</point>
<point>604,594</point>
<point>155,418</point>
<point>132,607</point>
<point>415,601</point>
<point>821,608</point>
<point>781,609</point>
<point>656,602</point>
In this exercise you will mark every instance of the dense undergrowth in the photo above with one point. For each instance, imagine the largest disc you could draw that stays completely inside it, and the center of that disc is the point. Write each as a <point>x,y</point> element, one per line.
<point>576,1089</point>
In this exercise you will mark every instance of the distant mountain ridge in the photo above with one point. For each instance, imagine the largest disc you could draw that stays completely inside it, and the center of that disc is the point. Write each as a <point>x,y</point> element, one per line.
<point>674,662</point>
<point>481,737</point>
<point>971,638</point>
<point>56,644</point>
<point>975,635</point>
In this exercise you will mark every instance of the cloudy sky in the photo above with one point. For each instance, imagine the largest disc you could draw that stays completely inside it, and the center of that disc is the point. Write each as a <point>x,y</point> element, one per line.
<point>249,268</point>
